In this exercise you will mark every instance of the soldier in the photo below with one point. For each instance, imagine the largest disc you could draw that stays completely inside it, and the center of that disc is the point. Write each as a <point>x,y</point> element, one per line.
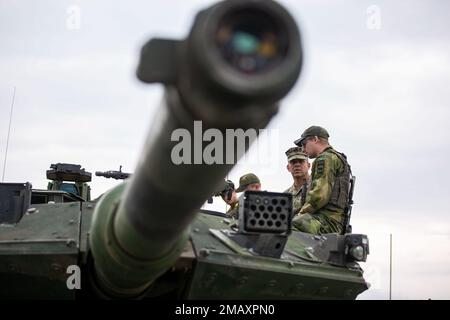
<point>247,182</point>
<point>229,195</point>
<point>298,165</point>
<point>327,197</point>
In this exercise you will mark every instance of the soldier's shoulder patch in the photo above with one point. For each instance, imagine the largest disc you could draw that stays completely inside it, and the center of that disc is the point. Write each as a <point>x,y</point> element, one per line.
<point>320,166</point>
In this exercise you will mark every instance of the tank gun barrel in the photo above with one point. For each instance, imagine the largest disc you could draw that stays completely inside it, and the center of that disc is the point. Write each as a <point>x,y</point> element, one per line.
<point>240,58</point>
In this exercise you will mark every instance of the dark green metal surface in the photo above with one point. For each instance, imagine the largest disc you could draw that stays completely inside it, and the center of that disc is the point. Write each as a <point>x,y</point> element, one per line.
<point>35,254</point>
<point>224,269</point>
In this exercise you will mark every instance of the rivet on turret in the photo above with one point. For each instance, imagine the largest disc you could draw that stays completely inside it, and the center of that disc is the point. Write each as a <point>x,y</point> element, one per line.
<point>204,252</point>
<point>299,286</point>
<point>211,277</point>
<point>71,221</point>
<point>323,290</point>
<point>32,210</point>
<point>13,268</point>
<point>242,281</point>
<point>272,283</point>
<point>196,230</point>
<point>70,243</point>
<point>56,267</point>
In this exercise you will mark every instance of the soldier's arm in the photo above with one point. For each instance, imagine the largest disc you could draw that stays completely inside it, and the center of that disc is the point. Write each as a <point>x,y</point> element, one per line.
<point>233,212</point>
<point>321,186</point>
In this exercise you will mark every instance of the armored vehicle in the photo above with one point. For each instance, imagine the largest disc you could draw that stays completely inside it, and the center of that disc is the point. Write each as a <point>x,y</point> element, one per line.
<point>148,237</point>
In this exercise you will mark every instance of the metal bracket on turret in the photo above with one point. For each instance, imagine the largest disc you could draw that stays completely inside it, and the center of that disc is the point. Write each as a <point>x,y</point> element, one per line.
<point>336,249</point>
<point>264,222</point>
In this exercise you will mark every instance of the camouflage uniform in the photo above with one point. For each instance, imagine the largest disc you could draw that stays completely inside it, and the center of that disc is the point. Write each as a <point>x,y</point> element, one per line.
<point>233,212</point>
<point>323,211</point>
<point>298,196</point>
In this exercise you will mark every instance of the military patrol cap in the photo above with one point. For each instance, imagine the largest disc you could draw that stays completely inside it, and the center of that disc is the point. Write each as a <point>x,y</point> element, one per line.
<point>312,132</point>
<point>246,180</point>
<point>296,153</point>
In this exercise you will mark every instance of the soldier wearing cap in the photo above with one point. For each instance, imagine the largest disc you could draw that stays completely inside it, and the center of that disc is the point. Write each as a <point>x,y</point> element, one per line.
<point>327,197</point>
<point>247,182</point>
<point>298,165</point>
<point>229,195</point>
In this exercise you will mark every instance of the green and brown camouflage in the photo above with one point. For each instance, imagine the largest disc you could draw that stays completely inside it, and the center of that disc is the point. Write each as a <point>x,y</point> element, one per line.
<point>233,211</point>
<point>323,211</point>
<point>296,153</point>
<point>246,180</point>
<point>298,195</point>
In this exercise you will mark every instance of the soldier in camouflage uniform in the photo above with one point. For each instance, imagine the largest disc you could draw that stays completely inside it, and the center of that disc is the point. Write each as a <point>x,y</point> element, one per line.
<point>298,165</point>
<point>230,197</point>
<point>327,198</point>
<point>247,182</point>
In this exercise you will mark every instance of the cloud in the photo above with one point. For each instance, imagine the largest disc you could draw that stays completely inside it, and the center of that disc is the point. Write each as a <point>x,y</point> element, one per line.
<point>419,255</point>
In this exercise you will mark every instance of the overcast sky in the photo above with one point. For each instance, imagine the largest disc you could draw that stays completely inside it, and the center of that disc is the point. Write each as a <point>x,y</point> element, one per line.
<point>376,75</point>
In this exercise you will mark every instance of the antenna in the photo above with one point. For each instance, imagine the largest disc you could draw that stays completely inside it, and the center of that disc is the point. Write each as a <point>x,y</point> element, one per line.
<point>9,130</point>
<point>390,266</point>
